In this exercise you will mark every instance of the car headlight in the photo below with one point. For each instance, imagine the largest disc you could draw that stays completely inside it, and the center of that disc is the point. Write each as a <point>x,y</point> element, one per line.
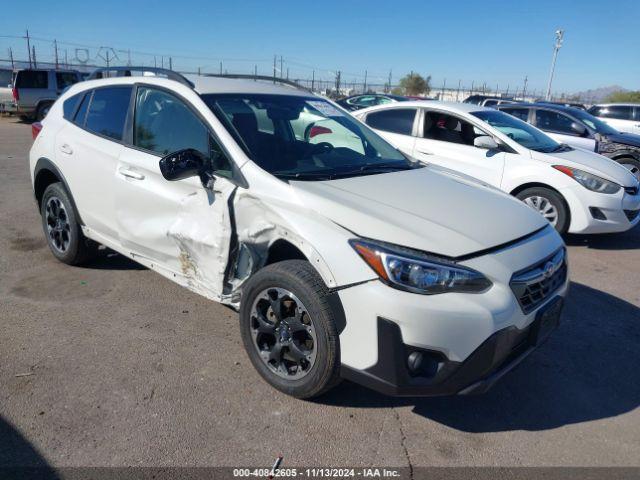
<point>413,271</point>
<point>588,180</point>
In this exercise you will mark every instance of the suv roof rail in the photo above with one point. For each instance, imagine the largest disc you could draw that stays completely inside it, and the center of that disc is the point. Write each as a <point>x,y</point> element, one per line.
<point>284,81</point>
<point>126,72</point>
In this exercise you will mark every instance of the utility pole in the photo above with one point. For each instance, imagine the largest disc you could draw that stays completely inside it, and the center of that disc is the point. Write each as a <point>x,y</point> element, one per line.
<point>444,84</point>
<point>275,59</point>
<point>524,88</point>
<point>338,82</point>
<point>458,91</point>
<point>313,79</point>
<point>198,71</point>
<point>556,48</point>
<point>129,57</point>
<point>55,48</point>
<point>220,67</point>
<point>66,58</point>
<point>287,73</point>
<point>33,55</point>
<point>255,71</point>
<point>11,57</point>
<point>29,48</point>
<point>389,87</point>
<point>170,63</point>
<point>364,89</point>
<point>472,82</point>
<point>281,67</point>
<point>155,62</point>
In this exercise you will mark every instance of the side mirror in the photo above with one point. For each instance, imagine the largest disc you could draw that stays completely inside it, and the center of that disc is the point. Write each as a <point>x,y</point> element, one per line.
<point>578,129</point>
<point>486,142</point>
<point>183,164</point>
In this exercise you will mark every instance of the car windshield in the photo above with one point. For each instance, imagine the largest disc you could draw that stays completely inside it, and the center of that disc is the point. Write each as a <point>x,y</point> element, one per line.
<point>519,131</point>
<point>304,138</point>
<point>594,123</point>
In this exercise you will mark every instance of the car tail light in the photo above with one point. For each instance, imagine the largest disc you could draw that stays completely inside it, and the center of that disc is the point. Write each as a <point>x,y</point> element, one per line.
<point>36,127</point>
<point>319,131</point>
<point>16,95</point>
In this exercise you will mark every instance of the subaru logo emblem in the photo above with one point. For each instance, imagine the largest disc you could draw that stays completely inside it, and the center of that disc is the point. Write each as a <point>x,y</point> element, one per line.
<point>548,270</point>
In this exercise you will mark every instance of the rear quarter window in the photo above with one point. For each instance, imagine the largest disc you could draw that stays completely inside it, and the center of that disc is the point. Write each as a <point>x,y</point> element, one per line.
<point>70,105</point>
<point>396,120</point>
<point>32,79</point>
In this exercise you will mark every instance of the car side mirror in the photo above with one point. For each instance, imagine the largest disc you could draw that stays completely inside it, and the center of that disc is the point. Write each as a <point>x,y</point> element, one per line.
<point>485,141</point>
<point>578,129</point>
<point>184,164</point>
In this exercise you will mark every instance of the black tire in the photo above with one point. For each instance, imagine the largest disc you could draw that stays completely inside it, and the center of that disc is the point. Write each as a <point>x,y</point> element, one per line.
<point>555,199</point>
<point>302,280</point>
<point>42,110</point>
<point>632,164</point>
<point>77,248</point>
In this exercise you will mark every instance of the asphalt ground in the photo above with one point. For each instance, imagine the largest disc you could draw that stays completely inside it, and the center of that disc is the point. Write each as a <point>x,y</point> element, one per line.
<point>113,365</point>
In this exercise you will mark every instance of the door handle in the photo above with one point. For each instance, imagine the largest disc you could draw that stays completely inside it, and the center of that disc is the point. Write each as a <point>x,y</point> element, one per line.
<point>125,172</point>
<point>65,148</point>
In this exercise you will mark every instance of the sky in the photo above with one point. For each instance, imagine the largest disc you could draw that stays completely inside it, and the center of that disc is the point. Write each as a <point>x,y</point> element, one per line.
<point>492,41</point>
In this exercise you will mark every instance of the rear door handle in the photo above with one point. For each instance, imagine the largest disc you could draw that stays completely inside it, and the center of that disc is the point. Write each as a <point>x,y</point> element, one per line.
<point>65,148</point>
<point>125,172</point>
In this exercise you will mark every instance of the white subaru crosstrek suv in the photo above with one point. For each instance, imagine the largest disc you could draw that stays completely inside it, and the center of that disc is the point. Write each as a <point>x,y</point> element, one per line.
<point>575,190</point>
<point>344,259</point>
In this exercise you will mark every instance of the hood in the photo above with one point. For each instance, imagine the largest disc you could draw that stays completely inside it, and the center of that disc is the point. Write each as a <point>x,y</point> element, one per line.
<point>590,162</point>
<point>624,139</point>
<point>424,209</point>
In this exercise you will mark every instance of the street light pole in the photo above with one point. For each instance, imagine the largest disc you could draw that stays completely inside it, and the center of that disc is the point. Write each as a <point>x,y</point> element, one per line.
<point>556,48</point>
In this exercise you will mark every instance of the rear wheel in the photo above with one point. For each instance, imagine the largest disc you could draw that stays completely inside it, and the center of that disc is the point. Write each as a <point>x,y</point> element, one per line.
<point>288,329</point>
<point>632,165</point>
<point>549,204</point>
<point>61,227</point>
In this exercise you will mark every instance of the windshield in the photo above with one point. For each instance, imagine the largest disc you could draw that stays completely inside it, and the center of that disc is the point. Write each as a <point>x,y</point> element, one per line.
<point>594,123</point>
<point>519,131</point>
<point>304,138</point>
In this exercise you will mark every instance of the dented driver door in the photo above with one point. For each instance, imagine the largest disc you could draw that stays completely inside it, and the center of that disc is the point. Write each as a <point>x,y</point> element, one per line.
<point>179,228</point>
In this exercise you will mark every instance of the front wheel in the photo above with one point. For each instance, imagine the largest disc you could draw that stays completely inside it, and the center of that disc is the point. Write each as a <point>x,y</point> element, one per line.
<point>549,204</point>
<point>288,329</point>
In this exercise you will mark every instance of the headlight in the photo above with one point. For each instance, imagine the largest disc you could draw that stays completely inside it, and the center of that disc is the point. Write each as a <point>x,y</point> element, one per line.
<point>416,272</point>
<point>589,181</point>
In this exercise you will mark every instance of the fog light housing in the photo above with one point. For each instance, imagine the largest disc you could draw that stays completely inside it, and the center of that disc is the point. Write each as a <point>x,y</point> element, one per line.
<point>422,364</point>
<point>597,213</point>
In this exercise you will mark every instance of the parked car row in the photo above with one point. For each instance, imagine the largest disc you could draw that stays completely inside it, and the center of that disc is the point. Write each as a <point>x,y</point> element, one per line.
<point>31,92</point>
<point>345,257</point>
<point>575,190</point>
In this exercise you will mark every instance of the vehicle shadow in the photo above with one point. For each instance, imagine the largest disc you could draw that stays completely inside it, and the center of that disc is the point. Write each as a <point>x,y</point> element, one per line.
<point>19,458</point>
<point>110,260</point>
<point>588,370</point>
<point>629,240</point>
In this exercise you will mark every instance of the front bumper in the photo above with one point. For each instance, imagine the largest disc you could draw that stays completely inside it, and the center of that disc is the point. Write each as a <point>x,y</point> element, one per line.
<point>452,329</point>
<point>438,375</point>
<point>620,211</point>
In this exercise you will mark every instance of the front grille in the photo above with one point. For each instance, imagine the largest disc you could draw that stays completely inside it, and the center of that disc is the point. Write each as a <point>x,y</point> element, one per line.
<point>535,284</point>
<point>631,214</point>
<point>631,190</point>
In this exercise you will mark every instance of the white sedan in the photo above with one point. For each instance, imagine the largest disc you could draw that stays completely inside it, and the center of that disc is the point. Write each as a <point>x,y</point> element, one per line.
<point>576,190</point>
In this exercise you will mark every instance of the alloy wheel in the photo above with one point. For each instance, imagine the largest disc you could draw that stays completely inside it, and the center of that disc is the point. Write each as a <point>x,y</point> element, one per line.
<point>283,333</point>
<point>58,226</point>
<point>544,207</point>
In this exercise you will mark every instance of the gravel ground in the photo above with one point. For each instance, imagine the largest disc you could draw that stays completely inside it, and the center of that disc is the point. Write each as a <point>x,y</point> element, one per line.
<point>112,365</point>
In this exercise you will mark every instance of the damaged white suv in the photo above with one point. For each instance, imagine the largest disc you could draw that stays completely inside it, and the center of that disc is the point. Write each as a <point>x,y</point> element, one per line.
<point>343,257</point>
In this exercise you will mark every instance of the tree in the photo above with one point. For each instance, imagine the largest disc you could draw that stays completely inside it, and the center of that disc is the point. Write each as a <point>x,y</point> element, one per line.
<point>623,97</point>
<point>415,84</point>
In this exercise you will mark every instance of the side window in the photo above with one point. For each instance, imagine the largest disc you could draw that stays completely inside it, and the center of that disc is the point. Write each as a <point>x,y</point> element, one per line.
<point>70,104</point>
<point>449,128</point>
<point>383,100</point>
<point>32,79</point>
<point>395,120</point>
<point>596,111</point>
<point>521,113</point>
<point>553,121</point>
<point>618,112</point>
<point>108,111</point>
<point>65,79</point>
<point>636,115</point>
<point>490,103</point>
<point>364,101</point>
<point>163,124</point>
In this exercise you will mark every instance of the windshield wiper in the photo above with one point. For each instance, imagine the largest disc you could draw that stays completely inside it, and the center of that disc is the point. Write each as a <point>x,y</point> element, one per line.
<point>305,176</point>
<point>387,167</point>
